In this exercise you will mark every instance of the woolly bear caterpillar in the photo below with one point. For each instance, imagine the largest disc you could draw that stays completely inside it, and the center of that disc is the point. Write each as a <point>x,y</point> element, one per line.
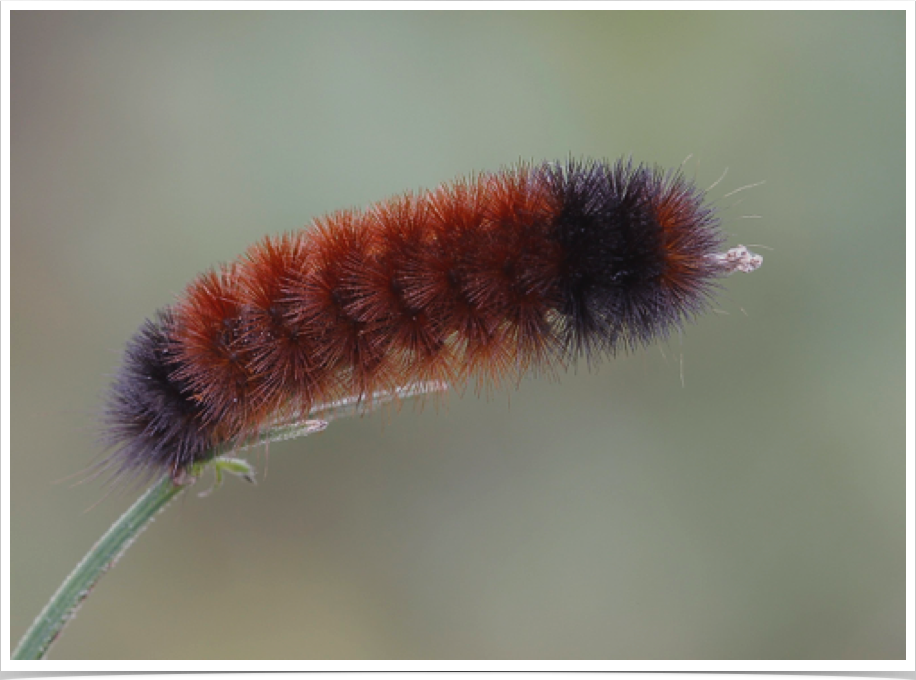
<point>523,269</point>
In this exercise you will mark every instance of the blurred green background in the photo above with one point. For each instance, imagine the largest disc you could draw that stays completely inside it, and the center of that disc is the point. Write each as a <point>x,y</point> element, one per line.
<point>756,511</point>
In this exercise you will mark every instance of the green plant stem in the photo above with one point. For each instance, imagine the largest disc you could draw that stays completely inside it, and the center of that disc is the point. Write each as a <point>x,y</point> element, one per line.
<point>103,555</point>
<point>100,559</point>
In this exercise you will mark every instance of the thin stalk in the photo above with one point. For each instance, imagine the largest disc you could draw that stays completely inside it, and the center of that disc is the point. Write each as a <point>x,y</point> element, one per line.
<point>104,554</point>
<point>101,558</point>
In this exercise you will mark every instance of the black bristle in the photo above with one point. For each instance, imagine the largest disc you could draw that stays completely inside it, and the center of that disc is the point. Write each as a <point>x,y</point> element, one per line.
<point>151,418</point>
<point>612,293</point>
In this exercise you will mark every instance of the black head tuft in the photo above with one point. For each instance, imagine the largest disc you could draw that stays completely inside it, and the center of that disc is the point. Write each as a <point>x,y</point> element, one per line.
<point>150,418</point>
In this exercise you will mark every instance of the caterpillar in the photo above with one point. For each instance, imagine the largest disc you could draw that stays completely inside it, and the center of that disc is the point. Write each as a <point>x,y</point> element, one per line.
<point>494,276</point>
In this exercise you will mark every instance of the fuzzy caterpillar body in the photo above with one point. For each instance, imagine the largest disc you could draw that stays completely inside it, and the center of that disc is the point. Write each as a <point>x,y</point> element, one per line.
<point>494,276</point>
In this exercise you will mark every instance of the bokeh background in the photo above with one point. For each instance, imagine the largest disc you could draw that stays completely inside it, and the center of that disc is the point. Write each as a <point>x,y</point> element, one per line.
<point>754,511</point>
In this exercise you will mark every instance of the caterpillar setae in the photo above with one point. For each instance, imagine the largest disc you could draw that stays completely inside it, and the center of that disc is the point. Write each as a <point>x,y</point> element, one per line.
<point>494,276</point>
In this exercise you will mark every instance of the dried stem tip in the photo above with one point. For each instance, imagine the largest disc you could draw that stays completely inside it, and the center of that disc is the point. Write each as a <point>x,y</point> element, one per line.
<point>738,259</point>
